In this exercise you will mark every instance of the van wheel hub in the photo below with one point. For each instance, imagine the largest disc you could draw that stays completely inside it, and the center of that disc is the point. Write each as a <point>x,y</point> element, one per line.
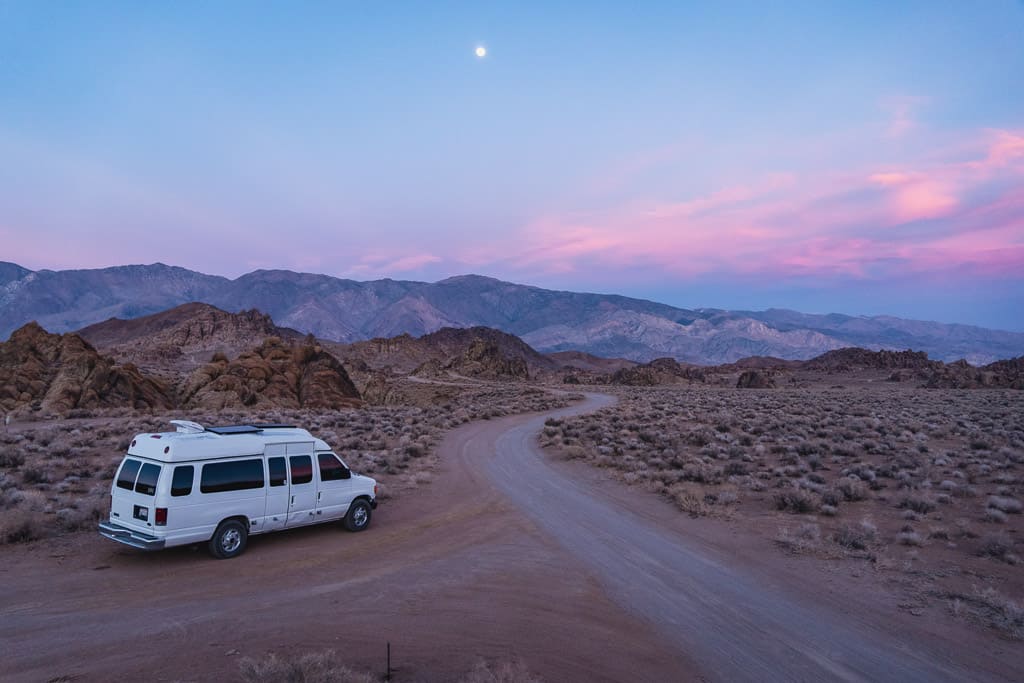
<point>230,541</point>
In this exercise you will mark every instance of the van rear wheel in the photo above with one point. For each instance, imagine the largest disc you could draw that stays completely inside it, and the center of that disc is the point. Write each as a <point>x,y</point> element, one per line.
<point>229,540</point>
<point>358,517</point>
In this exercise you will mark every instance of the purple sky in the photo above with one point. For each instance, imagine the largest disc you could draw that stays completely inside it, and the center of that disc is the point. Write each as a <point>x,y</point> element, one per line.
<point>828,157</point>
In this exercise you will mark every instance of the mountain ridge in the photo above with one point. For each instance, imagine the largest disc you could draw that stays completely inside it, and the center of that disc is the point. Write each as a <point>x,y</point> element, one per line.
<point>606,325</point>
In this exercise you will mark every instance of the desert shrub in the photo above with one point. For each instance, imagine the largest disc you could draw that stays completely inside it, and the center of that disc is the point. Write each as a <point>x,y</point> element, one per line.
<point>918,504</point>
<point>10,458</point>
<point>35,475</point>
<point>796,500</point>
<point>831,497</point>
<point>858,536</point>
<point>997,545</point>
<point>990,607</point>
<point>689,501</point>
<point>20,526</point>
<point>504,672</point>
<point>314,667</point>
<point>1005,504</point>
<point>994,515</point>
<point>805,538</point>
<point>909,537</point>
<point>852,489</point>
<point>701,473</point>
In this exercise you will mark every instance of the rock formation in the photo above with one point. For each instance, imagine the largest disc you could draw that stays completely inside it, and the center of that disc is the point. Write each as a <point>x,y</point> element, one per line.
<point>59,373</point>
<point>278,374</point>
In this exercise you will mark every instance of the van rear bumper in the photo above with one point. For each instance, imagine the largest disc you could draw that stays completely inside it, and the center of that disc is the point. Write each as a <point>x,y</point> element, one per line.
<point>136,539</point>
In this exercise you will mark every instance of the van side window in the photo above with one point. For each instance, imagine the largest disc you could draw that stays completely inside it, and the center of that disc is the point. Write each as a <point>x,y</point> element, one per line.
<point>181,484</point>
<point>147,479</point>
<point>235,475</point>
<point>302,469</point>
<point>278,472</point>
<point>129,470</point>
<point>331,468</point>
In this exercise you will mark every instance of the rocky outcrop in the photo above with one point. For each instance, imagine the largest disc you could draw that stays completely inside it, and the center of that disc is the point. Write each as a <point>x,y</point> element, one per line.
<point>850,359</point>
<point>658,372</point>
<point>182,338</point>
<point>58,373</point>
<point>478,352</point>
<point>1004,374</point>
<point>755,379</point>
<point>278,374</point>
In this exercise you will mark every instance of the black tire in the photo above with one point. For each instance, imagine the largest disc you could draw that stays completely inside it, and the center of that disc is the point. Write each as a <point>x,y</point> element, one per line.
<point>229,540</point>
<point>358,517</point>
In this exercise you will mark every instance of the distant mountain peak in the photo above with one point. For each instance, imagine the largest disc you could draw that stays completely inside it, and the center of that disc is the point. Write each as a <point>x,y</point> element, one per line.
<point>602,324</point>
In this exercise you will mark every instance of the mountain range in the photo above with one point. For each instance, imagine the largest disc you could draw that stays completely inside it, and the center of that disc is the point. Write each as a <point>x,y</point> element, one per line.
<point>550,321</point>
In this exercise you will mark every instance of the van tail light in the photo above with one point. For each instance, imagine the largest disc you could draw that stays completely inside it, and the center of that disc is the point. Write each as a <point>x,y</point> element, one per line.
<point>161,517</point>
<point>374,490</point>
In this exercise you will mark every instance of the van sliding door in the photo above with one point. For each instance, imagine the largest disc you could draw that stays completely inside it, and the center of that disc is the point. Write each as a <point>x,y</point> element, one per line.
<point>301,490</point>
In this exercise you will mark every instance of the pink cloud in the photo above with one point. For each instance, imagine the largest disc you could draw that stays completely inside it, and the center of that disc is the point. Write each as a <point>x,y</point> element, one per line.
<point>916,196</point>
<point>380,262</point>
<point>923,217</point>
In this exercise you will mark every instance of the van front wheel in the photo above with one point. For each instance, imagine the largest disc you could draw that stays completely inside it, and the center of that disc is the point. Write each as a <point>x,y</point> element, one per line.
<point>358,517</point>
<point>229,540</point>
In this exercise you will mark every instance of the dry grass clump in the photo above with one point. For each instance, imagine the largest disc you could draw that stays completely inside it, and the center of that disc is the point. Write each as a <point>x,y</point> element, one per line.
<point>325,667</point>
<point>314,667</point>
<point>514,671</point>
<point>55,475</point>
<point>805,538</point>
<point>991,608</point>
<point>860,536</point>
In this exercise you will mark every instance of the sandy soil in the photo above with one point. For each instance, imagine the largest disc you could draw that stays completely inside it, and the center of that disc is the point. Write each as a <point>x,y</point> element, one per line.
<point>504,554</point>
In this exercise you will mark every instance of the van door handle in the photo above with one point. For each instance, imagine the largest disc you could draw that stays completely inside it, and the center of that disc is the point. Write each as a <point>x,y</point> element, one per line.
<point>318,495</point>
<point>293,500</point>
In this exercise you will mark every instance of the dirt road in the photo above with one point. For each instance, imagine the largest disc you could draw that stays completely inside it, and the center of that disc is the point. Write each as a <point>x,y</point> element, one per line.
<point>505,554</point>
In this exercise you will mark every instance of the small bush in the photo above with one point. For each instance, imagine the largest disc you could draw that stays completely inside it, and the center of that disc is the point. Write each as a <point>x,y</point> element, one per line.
<point>852,489</point>
<point>504,672</point>
<point>995,545</point>
<point>994,515</point>
<point>320,667</point>
<point>796,500</point>
<point>1005,504</point>
<point>20,526</point>
<point>805,538</point>
<point>995,610</point>
<point>918,504</point>
<point>35,475</point>
<point>909,538</point>
<point>11,459</point>
<point>856,536</point>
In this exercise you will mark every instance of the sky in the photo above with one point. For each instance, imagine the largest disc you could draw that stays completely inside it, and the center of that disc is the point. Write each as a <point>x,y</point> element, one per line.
<point>854,157</point>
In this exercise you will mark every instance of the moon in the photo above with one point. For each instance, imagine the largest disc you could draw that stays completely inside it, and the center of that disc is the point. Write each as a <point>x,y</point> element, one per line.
<point>480,51</point>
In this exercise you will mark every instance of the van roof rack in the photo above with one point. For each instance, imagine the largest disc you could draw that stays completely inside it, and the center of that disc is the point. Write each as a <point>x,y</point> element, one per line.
<point>228,430</point>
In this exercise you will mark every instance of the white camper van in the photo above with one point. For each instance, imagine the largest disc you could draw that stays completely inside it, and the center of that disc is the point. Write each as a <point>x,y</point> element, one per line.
<point>219,485</point>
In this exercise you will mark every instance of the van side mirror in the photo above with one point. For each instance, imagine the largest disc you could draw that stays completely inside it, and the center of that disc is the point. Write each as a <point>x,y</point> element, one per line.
<point>346,473</point>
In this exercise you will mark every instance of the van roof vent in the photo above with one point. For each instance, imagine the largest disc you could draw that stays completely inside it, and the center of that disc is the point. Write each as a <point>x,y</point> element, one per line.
<point>187,427</point>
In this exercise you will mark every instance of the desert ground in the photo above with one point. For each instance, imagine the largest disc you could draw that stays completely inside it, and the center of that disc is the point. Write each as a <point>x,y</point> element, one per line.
<point>837,529</point>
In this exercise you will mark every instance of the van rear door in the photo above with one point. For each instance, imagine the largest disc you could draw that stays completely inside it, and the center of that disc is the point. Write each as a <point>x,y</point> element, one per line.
<point>133,497</point>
